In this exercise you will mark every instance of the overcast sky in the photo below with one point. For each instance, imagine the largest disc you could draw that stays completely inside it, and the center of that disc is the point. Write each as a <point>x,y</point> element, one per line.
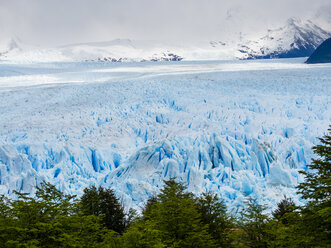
<point>55,22</point>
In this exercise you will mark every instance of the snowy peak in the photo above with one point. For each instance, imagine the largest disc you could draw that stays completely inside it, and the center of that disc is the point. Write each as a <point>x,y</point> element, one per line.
<point>9,45</point>
<point>306,33</point>
<point>296,39</point>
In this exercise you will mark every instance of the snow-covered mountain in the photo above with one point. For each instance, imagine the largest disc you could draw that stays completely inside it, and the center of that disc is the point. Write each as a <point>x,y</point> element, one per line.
<point>119,50</point>
<point>296,39</point>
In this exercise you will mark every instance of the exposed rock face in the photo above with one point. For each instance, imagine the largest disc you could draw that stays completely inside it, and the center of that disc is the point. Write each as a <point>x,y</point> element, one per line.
<point>322,54</point>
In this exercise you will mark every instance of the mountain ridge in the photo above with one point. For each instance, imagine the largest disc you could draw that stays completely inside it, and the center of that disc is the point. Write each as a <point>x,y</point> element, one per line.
<point>294,39</point>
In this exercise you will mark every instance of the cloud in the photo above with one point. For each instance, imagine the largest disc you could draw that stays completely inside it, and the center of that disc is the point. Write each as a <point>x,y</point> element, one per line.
<point>50,22</point>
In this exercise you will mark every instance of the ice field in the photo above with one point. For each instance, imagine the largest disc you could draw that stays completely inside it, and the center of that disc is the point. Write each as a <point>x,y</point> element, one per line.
<point>232,127</point>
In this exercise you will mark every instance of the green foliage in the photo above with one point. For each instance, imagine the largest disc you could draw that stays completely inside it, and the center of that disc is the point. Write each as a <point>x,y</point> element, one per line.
<point>112,239</point>
<point>35,221</point>
<point>177,218</point>
<point>5,220</point>
<point>287,234</point>
<point>285,229</point>
<point>213,213</point>
<point>284,208</point>
<point>317,190</point>
<point>317,185</point>
<point>170,220</point>
<point>142,234</point>
<point>103,202</point>
<point>131,217</point>
<point>51,219</point>
<point>253,222</point>
<point>39,221</point>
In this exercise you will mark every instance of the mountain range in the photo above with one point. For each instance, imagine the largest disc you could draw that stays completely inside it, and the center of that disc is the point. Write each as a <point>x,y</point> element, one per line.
<point>295,39</point>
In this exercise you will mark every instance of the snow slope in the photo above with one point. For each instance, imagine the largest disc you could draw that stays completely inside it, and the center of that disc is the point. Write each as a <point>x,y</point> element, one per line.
<point>233,127</point>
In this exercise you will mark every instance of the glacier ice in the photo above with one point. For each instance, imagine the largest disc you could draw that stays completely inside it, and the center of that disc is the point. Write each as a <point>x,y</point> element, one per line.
<point>236,128</point>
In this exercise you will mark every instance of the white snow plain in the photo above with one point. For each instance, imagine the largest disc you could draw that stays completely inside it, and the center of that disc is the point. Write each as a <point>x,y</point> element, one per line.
<point>232,127</point>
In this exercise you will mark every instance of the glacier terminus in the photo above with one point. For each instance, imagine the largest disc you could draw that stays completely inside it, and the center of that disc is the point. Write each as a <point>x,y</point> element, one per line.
<point>235,128</point>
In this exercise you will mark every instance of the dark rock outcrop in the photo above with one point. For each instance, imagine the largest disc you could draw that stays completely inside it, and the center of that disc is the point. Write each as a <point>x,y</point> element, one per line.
<point>322,54</point>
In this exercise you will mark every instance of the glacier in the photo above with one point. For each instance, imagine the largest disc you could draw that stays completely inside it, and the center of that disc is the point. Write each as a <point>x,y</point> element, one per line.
<point>236,128</point>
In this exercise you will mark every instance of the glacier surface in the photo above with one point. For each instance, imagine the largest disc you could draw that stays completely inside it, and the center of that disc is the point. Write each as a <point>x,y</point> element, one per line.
<point>236,128</point>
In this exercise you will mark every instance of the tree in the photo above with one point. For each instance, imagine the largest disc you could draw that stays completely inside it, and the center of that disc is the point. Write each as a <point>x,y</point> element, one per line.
<point>170,220</point>
<point>147,211</point>
<point>316,189</point>
<point>40,221</point>
<point>6,220</point>
<point>213,213</point>
<point>285,228</point>
<point>143,233</point>
<point>131,217</point>
<point>51,219</point>
<point>253,223</point>
<point>284,207</point>
<point>103,202</point>
<point>178,219</point>
<point>317,185</point>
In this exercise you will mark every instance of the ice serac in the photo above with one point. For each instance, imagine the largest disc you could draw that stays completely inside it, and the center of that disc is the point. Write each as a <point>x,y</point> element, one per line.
<point>71,168</point>
<point>232,167</point>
